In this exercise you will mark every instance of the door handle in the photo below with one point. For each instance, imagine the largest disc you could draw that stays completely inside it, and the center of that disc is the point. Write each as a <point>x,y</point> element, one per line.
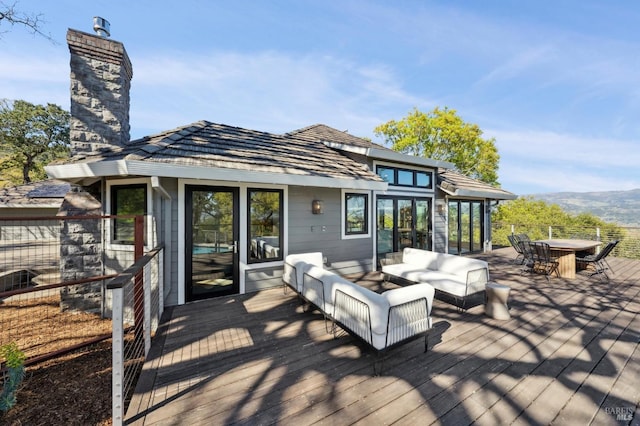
<point>235,247</point>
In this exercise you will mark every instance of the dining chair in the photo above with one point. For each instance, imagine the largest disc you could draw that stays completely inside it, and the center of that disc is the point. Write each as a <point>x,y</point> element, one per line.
<point>598,262</point>
<point>515,243</point>
<point>548,264</point>
<point>539,259</point>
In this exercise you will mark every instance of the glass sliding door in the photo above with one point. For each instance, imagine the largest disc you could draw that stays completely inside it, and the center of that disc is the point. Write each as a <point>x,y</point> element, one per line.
<point>423,225</point>
<point>403,222</point>
<point>454,227</point>
<point>385,224</point>
<point>476,237</point>
<point>211,238</point>
<point>466,226</point>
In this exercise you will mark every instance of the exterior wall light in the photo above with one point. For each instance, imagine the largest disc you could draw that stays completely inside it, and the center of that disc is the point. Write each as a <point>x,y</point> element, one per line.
<point>316,207</point>
<point>440,209</point>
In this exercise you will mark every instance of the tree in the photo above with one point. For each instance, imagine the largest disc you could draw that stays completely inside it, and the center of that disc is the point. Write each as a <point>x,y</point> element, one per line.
<point>534,217</point>
<point>31,136</point>
<point>9,15</point>
<point>442,135</point>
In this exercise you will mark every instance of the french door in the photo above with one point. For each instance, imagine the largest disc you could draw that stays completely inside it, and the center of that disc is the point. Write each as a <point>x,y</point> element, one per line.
<point>212,231</point>
<point>403,222</point>
<point>466,226</point>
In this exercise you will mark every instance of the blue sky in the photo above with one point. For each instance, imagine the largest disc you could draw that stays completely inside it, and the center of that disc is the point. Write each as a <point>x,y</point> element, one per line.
<point>556,83</point>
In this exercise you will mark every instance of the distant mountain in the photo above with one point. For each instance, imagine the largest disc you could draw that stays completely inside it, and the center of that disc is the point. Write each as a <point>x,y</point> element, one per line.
<point>621,207</point>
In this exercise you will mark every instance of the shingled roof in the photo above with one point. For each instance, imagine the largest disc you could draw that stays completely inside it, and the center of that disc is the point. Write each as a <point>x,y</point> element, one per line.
<point>42,194</point>
<point>459,185</point>
<point>206,144</point>
<point>325,134</point>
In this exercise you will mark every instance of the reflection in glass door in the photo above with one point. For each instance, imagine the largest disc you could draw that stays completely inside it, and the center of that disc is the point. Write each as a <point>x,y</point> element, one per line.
<point>465,226</point>
<point>385,225</point>
<point>211,242</point>
<point>403,222</point>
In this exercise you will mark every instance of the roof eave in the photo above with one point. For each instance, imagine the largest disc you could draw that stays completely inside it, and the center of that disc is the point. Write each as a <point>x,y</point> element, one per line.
<point>389,155</point>
<point>461,192</point>
<point>79,171</point>
<point>48,205</point>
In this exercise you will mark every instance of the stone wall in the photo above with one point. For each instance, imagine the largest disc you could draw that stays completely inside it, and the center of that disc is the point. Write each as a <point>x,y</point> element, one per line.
<point>81,252</point>
<point>100,82</point>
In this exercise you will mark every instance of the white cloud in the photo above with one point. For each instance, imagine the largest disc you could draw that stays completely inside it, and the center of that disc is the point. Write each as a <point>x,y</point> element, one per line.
<point>569,149</point>
<point>39,79</point>
<point>542,161</point>
<point>269,91</point>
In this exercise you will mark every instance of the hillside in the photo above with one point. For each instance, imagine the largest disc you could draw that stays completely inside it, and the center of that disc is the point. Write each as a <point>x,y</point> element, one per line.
<point>622,207</point>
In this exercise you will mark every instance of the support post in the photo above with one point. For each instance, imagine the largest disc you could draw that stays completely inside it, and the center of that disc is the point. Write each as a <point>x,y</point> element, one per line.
<point>148,275</point>
<point>117,353</point>
<point>138,286</point>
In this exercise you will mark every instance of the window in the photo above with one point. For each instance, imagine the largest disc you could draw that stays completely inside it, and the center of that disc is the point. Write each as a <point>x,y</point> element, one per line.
<point>404,177</point>
<point>423,180</point>
<point>356,214</point>
<point>387,174</point>
<point>127,200</point>
<point>265,225</point>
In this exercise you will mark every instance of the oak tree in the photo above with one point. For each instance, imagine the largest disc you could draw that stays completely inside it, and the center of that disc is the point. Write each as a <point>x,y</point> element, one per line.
<point>442,135</point>
<point>31,136</point>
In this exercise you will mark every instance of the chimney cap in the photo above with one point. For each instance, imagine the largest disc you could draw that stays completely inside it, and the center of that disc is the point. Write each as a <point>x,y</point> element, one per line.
<point>101,26</point>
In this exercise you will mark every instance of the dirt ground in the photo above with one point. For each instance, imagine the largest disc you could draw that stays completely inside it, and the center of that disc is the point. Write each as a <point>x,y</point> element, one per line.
<point>73,389</point>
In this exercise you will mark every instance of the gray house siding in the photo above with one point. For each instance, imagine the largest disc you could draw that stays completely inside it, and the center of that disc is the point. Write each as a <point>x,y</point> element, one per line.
<point>308,232</point>
<point>260,279</point>
<point>440,224</point>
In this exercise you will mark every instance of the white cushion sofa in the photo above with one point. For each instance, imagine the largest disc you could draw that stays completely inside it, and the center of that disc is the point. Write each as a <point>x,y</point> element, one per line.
<point>457,277</point>
<point>381,320</point>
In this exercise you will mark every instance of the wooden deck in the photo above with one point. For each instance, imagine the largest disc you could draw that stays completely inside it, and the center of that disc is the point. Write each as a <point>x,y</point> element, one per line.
<point>569,355</point>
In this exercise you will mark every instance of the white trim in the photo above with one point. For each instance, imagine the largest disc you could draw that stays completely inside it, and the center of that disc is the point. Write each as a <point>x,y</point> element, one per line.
<point>343,219</point>
<point>149,218</point>
<point>181,243</point>
<point>389,155</point>
<point>430,196</point>
<point>404,188</point>
<point>145,168</point>
<point>55,205</point>
<point>157,186</point>
<point>243,265</point>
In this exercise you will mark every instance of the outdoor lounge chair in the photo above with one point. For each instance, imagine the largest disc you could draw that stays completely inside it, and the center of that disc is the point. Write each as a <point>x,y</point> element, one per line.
<point>597,262</point>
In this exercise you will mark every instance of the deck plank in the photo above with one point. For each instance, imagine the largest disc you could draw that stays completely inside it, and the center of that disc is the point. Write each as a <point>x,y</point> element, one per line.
<point>568,355</point>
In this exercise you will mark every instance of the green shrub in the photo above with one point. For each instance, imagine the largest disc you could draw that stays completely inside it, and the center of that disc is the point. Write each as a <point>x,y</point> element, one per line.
<point>14,361</point>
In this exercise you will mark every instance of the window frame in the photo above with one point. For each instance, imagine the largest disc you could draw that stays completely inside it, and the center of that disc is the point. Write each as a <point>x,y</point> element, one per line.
<point>280,257</point>
<point>367,213</point>
<point>414,178</point>
<point>110,209</point>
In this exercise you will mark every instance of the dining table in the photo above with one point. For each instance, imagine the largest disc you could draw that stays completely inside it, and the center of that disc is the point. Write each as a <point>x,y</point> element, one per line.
<point>565,251</point>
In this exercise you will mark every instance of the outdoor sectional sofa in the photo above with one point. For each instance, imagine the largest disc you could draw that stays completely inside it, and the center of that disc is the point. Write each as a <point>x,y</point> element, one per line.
<point>455,278</point>
<point>381,320</point>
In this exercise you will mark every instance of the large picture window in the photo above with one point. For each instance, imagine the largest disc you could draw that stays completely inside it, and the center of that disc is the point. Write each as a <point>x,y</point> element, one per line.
<point>356,214</point>
<point>404,177</point>
<point>265,225</point>
<point>127,200</point>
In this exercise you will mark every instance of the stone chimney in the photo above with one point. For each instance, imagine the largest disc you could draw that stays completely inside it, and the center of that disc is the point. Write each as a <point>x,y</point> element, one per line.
<point>100,81</point>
